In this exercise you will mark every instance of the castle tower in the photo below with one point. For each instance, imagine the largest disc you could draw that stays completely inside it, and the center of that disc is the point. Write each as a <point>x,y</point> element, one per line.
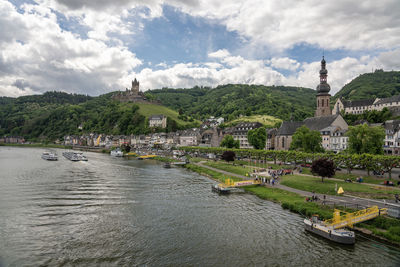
<point>323,96</point>
<point>135,87</point>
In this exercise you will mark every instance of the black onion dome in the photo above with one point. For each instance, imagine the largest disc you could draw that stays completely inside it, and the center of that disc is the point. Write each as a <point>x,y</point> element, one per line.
<point>323,88</point>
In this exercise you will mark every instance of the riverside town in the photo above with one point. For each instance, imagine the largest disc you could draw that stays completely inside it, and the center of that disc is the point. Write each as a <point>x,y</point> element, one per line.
<point>229,147</point>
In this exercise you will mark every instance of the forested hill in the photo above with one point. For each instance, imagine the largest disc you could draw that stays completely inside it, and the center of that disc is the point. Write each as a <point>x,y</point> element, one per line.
<point>232,100</point>
<point>371,85</point>
<point>54,114</point>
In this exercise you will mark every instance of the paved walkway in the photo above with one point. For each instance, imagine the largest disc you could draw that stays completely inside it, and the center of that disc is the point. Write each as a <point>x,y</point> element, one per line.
<point>329,198</point>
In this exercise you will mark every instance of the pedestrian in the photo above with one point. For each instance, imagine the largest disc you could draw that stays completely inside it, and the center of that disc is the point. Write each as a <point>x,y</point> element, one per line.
<point>396,198</point>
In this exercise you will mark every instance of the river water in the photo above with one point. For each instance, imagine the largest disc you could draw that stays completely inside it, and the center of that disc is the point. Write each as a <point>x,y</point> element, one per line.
<point>118,212</point>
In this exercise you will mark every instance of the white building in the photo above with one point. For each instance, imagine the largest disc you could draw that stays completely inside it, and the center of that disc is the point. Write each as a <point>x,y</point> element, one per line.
<point>158,121</point>
<point>190,137</point>
<point>360,106</point>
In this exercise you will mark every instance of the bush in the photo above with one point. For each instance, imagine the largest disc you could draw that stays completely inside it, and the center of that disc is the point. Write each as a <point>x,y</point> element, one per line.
<point>228,156</point>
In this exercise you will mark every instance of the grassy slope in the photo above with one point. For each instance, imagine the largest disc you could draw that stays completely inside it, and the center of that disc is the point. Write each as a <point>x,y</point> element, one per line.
<point>152,109</point>
<point>266,120</point>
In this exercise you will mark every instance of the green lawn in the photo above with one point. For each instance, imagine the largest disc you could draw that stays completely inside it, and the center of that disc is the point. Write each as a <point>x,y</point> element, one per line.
<point>152,109</point>
<point>344,176</point>
<point>213,174</point>
<point>229,167</point>
<point>309,183</point>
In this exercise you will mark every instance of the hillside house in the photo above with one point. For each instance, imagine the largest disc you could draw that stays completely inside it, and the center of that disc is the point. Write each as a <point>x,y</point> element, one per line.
<point>158,121</point>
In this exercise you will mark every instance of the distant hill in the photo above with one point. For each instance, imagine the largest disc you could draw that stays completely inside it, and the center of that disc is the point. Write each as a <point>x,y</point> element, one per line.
<point>54,114</point>
<point>371,85</point>
<point>232,100</point>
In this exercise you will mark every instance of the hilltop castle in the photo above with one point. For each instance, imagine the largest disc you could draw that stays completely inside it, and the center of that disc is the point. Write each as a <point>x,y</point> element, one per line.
<point>132,95</point>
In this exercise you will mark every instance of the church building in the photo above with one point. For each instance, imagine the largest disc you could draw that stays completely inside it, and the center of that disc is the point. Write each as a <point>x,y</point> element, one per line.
<point>323,121</point>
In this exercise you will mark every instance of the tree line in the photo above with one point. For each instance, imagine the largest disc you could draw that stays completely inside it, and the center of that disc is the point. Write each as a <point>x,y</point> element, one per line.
<point>348,161</point>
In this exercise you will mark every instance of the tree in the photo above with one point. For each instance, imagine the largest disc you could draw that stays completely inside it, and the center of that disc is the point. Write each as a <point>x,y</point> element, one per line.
<point>228,156</point>
<point>172,126</point>
<point>257,137</point>
<point>229,142</point>
<point>388,163</point>
<point>365,139</point>
<point>306,140</point>
<point>126,148</point>
<point>323,167</point>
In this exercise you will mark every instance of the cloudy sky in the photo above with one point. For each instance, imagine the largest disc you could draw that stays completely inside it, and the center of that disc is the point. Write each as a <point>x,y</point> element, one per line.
<point>97,46</point>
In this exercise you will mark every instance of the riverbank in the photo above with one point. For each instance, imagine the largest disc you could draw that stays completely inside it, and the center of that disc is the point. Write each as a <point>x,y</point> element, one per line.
<point>382,228</point>
<point>38,145</point>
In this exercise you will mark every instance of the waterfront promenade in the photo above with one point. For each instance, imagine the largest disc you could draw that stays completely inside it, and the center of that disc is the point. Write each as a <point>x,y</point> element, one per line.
<point>338,200</point>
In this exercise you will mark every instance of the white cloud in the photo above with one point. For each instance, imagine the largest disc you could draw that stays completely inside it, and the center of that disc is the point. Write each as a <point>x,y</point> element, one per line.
<point>340,72</point>
<point>37,55</point>
<point>284,63</point>
<point>210,74</point>
<point>222,53</point>
<point>46,58</point>
<point>274,24</point>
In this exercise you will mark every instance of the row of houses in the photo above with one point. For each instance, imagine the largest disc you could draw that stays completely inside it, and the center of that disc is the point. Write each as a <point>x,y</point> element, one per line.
<point>12,140</point>
<point>360,106</point>
<point>205,137</point>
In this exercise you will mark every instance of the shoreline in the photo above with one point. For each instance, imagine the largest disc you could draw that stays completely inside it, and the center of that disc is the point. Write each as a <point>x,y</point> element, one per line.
<point>298,206</point>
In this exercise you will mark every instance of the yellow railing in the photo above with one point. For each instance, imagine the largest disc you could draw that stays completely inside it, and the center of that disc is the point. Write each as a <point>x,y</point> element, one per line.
<point>349,219</point>
<point>147,156</point>
<point>230,183</point>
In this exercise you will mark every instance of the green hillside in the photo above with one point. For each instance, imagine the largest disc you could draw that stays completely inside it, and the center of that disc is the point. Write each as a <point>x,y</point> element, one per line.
<point>52,115</point>
<point>266,120</point>
<point>232,100</point>
<point>371,85</point>
<point>152,109</point>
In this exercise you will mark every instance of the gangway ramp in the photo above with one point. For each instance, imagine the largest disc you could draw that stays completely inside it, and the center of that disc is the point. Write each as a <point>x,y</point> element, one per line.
<point>349,219</point>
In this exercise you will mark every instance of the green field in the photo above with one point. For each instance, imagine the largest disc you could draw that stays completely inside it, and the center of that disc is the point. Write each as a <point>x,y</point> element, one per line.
<point>309,183</point>
<point>153,109</point>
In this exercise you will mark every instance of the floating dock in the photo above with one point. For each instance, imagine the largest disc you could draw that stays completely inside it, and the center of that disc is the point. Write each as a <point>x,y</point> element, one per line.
<point>147,157</point>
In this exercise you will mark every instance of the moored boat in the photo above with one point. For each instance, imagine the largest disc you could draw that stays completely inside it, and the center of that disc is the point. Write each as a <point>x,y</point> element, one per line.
<point>220,189</point>
<point>49,156</point>
<point>75,156</point>
<point>117,153</point>
<point>341,236</point>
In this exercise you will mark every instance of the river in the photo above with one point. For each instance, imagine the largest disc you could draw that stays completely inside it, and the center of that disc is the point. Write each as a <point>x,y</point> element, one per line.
<point>118,212</point>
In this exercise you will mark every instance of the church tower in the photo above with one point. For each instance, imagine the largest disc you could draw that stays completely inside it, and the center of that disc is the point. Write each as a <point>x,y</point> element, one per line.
<point>135,87</point>
<point>323,96</point>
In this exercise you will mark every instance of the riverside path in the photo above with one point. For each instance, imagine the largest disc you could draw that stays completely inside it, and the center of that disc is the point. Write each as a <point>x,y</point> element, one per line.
<point>362,202</point>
